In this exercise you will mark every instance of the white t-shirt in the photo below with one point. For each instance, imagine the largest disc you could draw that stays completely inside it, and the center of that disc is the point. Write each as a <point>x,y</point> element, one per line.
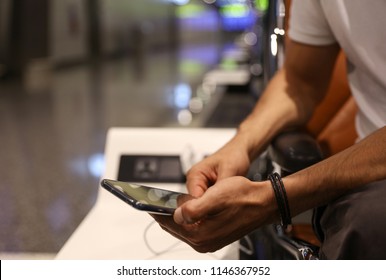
<point>360,29</point>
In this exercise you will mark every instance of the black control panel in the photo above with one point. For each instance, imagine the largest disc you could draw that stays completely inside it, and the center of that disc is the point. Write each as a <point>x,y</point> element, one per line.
<point>154,169</point>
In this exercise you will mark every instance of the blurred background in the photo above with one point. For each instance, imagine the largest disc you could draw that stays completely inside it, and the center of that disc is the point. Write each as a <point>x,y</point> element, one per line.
<point>70,69</point>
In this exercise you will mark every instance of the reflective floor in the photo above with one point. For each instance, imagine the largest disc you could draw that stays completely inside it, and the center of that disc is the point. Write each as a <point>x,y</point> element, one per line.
<point>52,137</point>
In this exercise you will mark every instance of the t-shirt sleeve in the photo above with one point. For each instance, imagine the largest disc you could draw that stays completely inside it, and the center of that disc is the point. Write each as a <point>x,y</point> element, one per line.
<point>308,24</point>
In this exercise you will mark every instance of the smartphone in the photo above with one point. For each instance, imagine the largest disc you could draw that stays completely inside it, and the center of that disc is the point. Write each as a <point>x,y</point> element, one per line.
<point>144,198</point>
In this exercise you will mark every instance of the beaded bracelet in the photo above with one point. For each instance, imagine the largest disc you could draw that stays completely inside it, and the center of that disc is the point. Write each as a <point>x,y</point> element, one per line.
<point>281,199</point>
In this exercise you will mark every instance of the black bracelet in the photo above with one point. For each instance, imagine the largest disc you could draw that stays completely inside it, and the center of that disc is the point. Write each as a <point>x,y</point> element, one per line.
<point>281,199</point>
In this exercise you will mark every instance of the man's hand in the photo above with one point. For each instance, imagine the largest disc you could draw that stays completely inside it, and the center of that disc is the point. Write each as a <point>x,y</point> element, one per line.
<point>227,211</point>
<point>230,160</point>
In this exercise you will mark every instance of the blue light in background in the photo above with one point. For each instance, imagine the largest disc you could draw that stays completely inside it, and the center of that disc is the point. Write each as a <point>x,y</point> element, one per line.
<point>180,2</point>
<point>182,95</point>
<point>96,165</point>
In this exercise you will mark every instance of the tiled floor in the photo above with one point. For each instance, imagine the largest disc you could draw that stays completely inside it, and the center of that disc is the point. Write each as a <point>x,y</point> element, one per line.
<point>52,139</point>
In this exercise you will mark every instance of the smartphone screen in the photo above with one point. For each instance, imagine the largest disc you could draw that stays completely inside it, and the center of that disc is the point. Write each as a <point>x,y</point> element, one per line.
<point>149,199</point>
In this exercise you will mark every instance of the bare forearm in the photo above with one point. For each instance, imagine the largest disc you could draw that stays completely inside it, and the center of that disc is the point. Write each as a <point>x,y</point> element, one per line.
<point>276,110</point>
<point>360,164</point>
<point>291,96</point>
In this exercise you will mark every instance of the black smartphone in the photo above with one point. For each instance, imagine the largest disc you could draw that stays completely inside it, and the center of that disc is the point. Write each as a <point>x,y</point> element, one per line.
<point>149,199</point>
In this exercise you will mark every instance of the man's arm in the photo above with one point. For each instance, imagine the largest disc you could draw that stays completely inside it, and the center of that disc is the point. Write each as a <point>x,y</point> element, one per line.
<point>291,96</point>
<point>288,100</point>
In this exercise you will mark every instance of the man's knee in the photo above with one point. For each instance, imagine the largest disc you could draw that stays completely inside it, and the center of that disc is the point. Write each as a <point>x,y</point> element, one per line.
<point>354,225</point>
